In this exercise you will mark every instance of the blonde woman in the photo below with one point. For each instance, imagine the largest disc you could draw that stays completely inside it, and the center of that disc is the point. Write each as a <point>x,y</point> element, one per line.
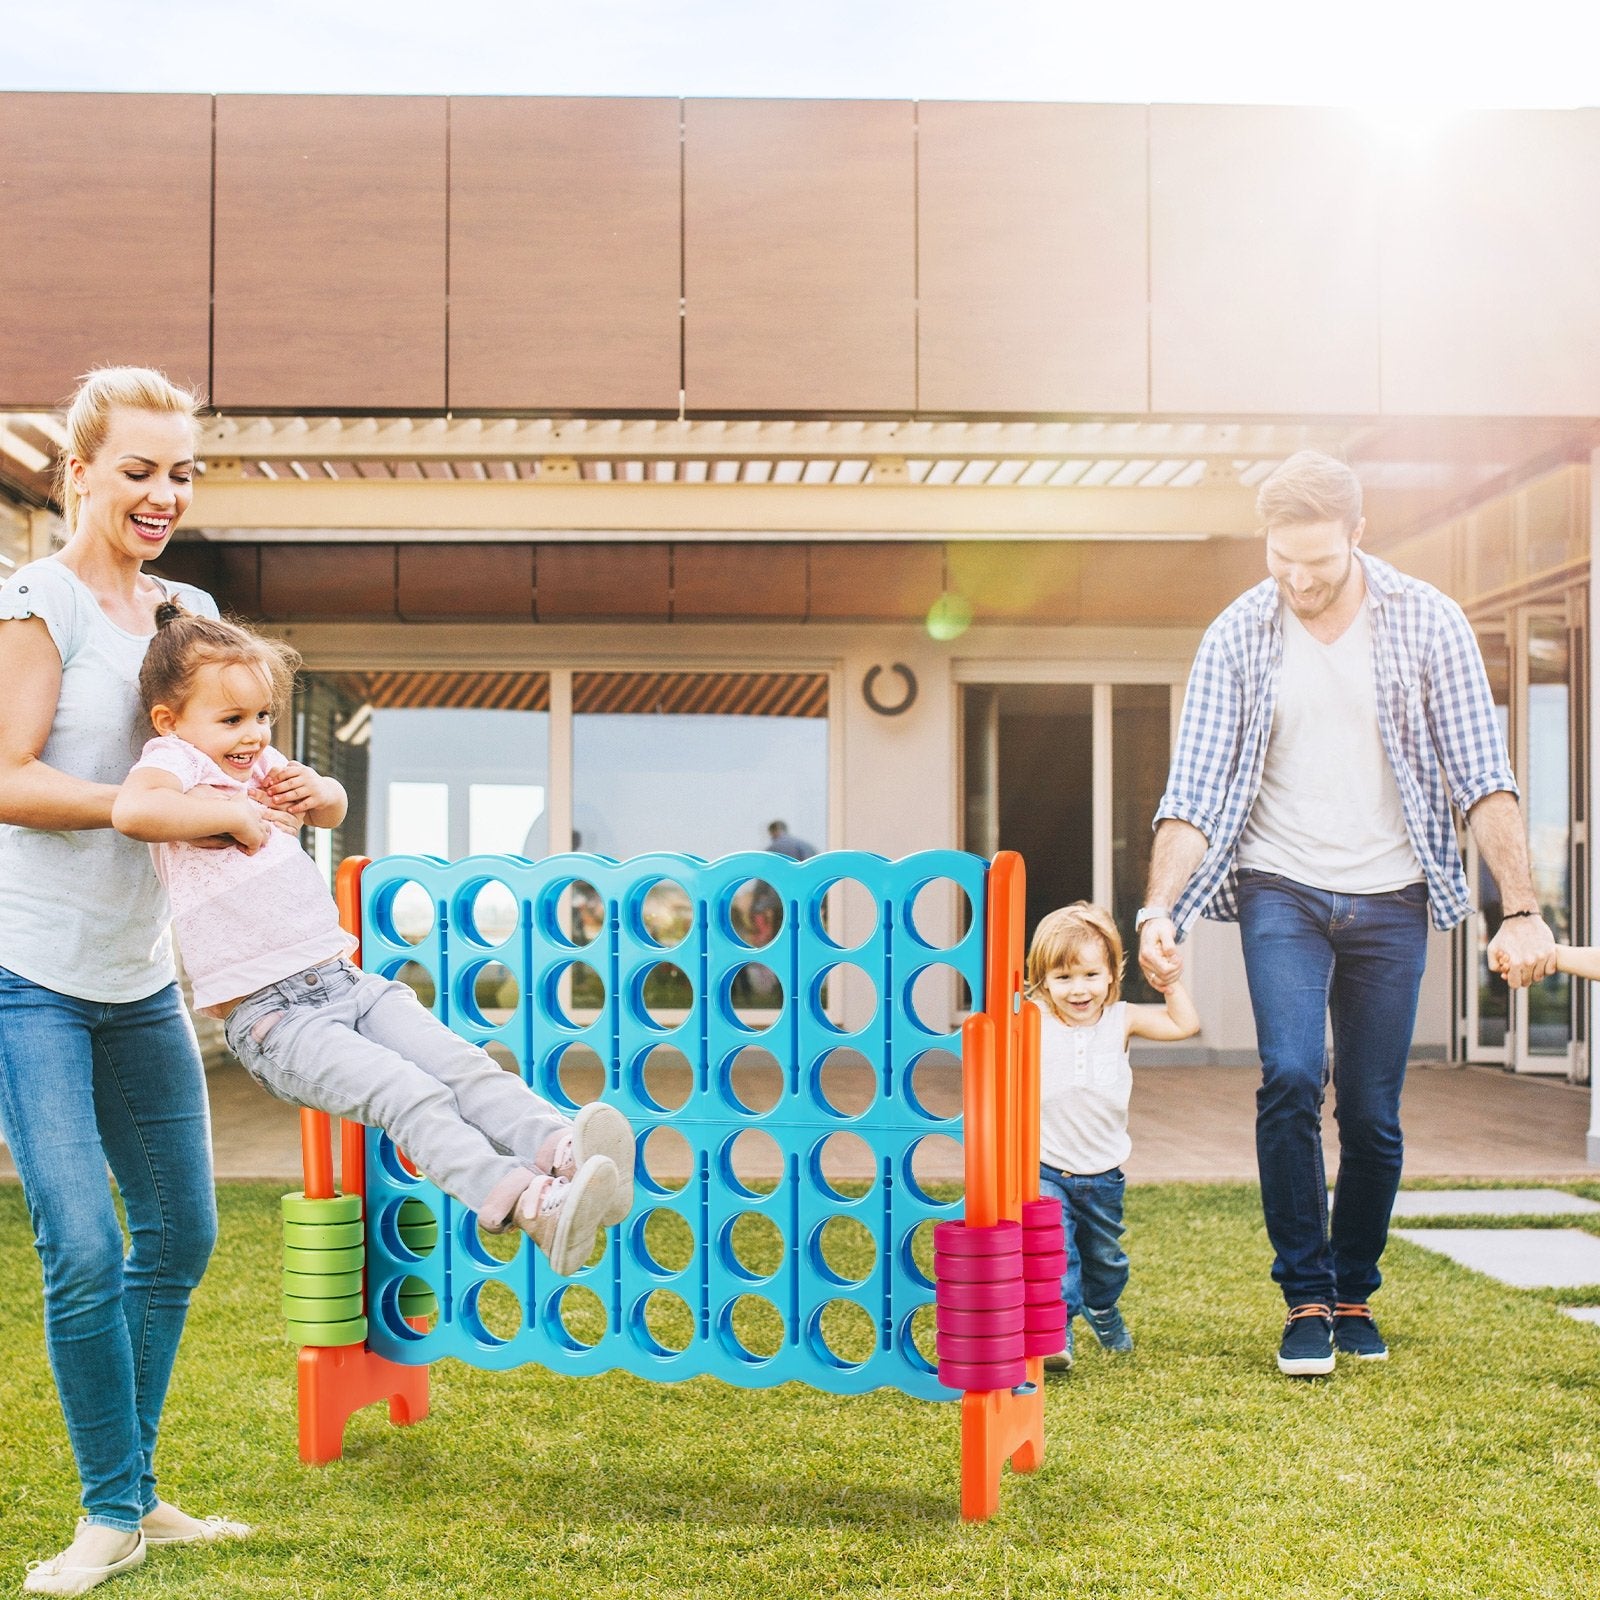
<point>98,1063</point>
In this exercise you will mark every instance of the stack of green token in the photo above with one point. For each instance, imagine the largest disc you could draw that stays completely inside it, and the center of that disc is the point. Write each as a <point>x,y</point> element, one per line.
<point>322,1261</point>
<point>419,1233</point>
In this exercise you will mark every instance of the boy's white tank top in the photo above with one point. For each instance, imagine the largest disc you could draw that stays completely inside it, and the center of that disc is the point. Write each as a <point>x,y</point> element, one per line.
<point>1085,1082</point>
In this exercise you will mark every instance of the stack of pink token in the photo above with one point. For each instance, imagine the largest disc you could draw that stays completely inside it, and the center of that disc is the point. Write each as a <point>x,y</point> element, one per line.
<point>978,1305</point>
<point>1044,1264</point>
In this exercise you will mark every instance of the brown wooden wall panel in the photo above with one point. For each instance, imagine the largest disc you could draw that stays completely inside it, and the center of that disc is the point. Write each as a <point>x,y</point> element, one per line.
<point>1010,581</point>
<point>330,252</point>
<point>229,573</point>
<point>444,581</point>
<point>1491,298</point>
<point>730,581</point>
<point>565,239</point>
<point>1174,585</point>
<point>327,582</point>
<point>799,256</point>
<point>1263,261</point>
<point>1031,231</point>
<point>581,581</point>
<point>105,214</point>
<point>875,582</point>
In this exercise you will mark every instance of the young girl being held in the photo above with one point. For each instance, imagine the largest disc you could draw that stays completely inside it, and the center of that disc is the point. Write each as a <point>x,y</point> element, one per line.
<point>261,941</point>
<point>1085,1080</point>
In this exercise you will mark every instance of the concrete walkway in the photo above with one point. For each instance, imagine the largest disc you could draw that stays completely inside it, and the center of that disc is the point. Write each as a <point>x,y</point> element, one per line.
<point>1194,1124</point>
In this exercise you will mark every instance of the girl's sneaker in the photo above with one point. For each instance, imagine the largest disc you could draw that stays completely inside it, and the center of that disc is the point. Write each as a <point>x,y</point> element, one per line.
<point>1355,1333</point>
<point>598,1130</point>
<point>562,1217</point>
<point>1110,1329</point>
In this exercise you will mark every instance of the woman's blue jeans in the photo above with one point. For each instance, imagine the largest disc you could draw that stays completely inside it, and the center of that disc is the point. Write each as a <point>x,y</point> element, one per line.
<point>1310,954</point>
<point>84,1084</point>
<point>1091,1209</point>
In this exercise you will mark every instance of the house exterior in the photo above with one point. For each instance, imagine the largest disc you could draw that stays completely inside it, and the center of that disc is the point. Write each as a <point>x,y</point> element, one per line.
<point>633,474</point>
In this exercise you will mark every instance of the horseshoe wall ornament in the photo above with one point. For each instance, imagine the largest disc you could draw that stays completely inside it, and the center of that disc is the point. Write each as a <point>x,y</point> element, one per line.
<point>869,690</point>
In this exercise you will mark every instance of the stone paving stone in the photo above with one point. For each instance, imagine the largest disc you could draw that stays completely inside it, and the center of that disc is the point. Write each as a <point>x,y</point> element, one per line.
<point>1526,1258</point>
<point>1490,1203</point>
<point>1582,1313</point>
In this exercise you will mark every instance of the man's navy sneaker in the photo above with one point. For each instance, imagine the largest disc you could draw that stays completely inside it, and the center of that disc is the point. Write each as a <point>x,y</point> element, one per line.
<point>1356,1334</point>
<point>1307,1348</point>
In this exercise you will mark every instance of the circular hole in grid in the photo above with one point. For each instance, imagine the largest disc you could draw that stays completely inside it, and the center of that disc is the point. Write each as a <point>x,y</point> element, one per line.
<point>494,1248</point>
<point>493,1312</point>
<point>752,1080</point>
<point>755,913</point>
<point>414,1302</point>
<point>754,996</point>
<point>843,1166</point>
<point>935,1169</point>
<point>938,994</point>
<point>666,913</point>
<point>844,998</point>
<point>753,1245</point>
<point>919,1338</point>
<point>752,1328</point>
<point>394,1164</point>
<point>572,913</point>
<point>934,1084</point>
<point>843,1248</point>
<point>573,1075</point>
<point>405,912</point>
<point>662,1241</point>
<point>574,994</point>
<point>418,980</point>
<point>916,1252</point>
<point>576,1318</point>
<point>665,995</point>
<point>847,915</point>
<point>491,994</point>
<point>408,1228</point>
<point>940,913</point>
<point>503,1057</point>
<point>663,1323</point>
<point>843,1334</point>
<point>844,1081</point>
<point>667,1159</point>
<point>490,916</point>
<point>663,1078</point>
<point>752,1163</point>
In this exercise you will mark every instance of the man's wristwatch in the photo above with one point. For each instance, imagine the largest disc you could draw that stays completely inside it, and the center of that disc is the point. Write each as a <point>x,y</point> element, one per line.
<point>1150,914</point>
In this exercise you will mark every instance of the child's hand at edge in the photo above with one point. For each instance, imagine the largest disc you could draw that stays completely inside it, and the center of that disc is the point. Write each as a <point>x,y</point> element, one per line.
<point>295,788</point>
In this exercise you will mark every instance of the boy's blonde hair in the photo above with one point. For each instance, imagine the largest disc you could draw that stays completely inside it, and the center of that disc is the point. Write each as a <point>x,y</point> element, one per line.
<point>100,392</point>
<point>1062,934</point>
<point>1309,487</point>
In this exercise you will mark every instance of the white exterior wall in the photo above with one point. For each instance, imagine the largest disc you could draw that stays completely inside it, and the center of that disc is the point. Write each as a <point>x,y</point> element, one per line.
<point>895,785</point>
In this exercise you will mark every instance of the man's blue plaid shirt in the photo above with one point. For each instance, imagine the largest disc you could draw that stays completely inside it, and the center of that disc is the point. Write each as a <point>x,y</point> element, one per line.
<point>1435,715</point>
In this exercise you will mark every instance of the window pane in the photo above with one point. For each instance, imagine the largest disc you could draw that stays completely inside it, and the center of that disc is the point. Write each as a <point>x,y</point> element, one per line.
<point>418,819</point>
<point>1549,789</point>
<point>1141,715</point>
<point>502,817</point>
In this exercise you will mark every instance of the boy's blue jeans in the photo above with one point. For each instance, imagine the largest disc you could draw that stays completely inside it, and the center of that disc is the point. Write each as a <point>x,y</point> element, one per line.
<point>84,1083</point>
<point>1309,954</point>
<point>1091,1208</point>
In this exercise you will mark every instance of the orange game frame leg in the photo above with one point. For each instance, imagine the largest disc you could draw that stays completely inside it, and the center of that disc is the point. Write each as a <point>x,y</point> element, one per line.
<point>337,1383</point>
<point>1000,1093</point>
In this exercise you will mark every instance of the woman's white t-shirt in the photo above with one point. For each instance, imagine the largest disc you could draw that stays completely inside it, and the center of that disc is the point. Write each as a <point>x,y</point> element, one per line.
<point>1085,1082</point>
<point>81,911</point>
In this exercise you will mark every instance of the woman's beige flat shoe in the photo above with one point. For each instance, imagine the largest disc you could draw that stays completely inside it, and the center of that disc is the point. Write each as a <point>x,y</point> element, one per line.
<point>210,1530</point>
<point>56,1577</point>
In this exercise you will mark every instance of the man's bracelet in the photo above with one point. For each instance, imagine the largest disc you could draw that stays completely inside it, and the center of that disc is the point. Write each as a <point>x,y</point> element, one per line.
<point>1506,916</point>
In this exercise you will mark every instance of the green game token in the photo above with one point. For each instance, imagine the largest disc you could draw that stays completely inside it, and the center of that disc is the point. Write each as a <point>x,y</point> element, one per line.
<point>331,1334</point>
<point>342,1310</point>
<point>341,1208</point>
<point>322,1235</point>
<point>323,1261</point>
<point>321,1285</point>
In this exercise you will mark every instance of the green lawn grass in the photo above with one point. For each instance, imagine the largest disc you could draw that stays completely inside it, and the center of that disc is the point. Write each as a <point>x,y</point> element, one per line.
<point>1468,1465</point>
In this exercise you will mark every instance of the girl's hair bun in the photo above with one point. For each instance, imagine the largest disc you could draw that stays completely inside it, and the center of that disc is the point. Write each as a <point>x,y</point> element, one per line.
<point>167,612</point>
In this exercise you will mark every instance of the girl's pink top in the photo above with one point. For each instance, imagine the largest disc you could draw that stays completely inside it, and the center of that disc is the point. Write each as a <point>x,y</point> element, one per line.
<point>242,922</point>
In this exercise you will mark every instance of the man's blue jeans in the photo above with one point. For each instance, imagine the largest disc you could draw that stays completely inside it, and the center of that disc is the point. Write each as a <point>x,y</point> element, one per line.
<point>1310,954</point>
<point>1091,1208</point>
<point>82,1084</point>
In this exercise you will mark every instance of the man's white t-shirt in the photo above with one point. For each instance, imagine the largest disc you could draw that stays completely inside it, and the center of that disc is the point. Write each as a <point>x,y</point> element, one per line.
<point>1328,814</point>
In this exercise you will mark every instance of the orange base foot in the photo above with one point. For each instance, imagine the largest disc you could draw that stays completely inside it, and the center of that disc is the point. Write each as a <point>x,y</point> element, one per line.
<point>998,1427</point>
<point>337,1383</point>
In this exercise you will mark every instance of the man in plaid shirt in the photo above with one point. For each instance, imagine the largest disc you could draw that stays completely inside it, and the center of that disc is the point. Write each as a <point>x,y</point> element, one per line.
<point>1334,714</point>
